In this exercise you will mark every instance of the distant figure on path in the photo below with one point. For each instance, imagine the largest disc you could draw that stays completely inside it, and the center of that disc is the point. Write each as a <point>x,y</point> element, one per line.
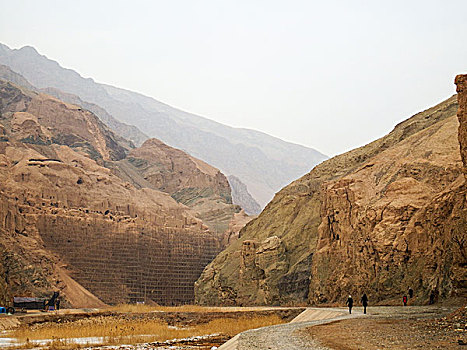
<point>350,303</point>
<point>364,302</point>
<point>410,292</point>
<point>404,300</point>
<point>432,297</point>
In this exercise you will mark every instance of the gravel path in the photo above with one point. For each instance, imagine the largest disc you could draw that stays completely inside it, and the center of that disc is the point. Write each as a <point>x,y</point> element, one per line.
<point>292,336</point>
<point>286,336</point>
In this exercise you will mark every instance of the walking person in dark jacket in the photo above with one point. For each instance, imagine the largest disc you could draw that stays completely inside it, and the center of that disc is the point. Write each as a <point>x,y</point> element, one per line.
<point>350,303</point>
<point>364,302</point>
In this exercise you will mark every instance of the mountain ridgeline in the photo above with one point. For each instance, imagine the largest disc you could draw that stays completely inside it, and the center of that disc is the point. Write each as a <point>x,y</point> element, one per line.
<point>263,163</point>
<point>378,219</point>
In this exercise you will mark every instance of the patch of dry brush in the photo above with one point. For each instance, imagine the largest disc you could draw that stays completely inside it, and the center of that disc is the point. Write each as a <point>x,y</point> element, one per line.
<point>118,330</point>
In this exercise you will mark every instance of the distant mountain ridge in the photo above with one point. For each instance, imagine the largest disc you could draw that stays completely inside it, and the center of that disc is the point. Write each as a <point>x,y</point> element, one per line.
<point>262,162</point>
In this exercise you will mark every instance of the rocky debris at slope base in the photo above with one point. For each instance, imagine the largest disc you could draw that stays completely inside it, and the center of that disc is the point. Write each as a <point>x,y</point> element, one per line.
<point>381,218</point>
<point>63,212</point>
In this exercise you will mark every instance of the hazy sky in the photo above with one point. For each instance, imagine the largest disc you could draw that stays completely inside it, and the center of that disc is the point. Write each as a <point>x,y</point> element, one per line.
<point>332,75</point>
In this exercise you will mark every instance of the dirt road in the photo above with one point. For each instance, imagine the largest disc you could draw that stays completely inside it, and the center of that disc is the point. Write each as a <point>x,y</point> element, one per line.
<point>287,336</point>
<point>338,328</point>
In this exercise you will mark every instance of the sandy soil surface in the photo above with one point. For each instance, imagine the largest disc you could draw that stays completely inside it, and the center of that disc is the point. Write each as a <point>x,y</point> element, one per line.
<point>395,328</point>
<point>288,336</point>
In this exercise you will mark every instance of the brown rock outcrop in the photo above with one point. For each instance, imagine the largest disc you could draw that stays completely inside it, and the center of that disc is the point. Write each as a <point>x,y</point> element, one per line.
<point>386,227</point>
<point>461,82</point>
<point>188,180</point>
<point>238,221</point>
<point>63,214</point>
<point>378,219</point>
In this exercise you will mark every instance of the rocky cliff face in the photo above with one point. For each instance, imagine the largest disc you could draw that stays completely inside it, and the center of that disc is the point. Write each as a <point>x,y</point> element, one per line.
<point>378,219</point>
<point>188,180</point>
<point>461,82</point>
<point>63,213</point>
<point>127,132</point>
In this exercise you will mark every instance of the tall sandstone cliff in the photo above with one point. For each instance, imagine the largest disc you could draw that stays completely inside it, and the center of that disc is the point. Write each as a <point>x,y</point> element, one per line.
<point>69,220</point>
<point>380,219</point>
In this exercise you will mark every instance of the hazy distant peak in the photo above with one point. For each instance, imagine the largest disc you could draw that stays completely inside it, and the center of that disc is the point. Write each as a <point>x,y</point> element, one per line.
<point>4,48</point>
<point>29,49</point>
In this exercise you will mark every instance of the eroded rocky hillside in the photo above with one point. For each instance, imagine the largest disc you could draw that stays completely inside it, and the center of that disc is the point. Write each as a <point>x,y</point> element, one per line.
<point>380,219</point>
<point>188,180</point>
<point>263,163</point>
<point>211,203</point>
<point>75,216</point>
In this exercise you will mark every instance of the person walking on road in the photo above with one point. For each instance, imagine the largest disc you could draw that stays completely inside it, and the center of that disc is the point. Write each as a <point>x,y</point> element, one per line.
<point>350,303</point>
<point>364,302</point>
<point>404,300</point>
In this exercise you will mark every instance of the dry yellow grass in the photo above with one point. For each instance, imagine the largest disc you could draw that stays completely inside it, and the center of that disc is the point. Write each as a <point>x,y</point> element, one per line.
<point>116,330</point>
<point>141,308</point>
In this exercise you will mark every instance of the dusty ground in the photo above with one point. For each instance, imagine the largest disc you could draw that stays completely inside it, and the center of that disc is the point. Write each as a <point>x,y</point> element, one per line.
<point>396,329</point>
